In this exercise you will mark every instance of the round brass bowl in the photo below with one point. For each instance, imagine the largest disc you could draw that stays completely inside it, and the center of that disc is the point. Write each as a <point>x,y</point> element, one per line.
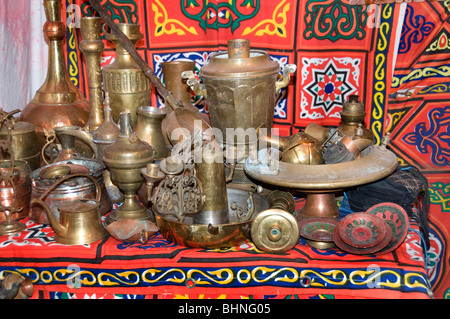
<point>374,163</point>
<point>205,236</point>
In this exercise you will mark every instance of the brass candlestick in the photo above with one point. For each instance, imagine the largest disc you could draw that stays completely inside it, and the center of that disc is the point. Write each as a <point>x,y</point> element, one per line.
<point>58,102</point>
<point>92,46</point>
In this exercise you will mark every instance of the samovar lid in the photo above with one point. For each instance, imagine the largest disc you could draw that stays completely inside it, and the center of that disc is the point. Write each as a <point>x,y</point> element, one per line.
<point>239,61</point>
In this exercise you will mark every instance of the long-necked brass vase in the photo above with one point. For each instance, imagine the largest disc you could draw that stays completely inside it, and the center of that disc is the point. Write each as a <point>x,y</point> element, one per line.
<point>92,46</point>
<point>124,80</point>
<point>58,102</point>
<point>125,159</point>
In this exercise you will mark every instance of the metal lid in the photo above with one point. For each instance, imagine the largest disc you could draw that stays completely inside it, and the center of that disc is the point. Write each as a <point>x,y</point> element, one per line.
<point>239,61</point>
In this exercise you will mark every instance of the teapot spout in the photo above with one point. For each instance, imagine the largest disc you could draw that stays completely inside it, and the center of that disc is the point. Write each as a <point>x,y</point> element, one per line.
<point>55,224</point>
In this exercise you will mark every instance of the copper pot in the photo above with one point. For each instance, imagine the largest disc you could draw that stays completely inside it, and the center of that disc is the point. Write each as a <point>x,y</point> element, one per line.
<point>20,195</point>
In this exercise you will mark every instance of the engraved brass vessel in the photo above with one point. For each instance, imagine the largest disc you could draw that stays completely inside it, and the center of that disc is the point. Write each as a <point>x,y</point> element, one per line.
<point>124,80</point>
<point>240,86</point>
<point>58,102</point>
<point>124,159</point>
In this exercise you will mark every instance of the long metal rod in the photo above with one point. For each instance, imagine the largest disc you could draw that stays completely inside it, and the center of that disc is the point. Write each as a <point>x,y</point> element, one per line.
<point>128,45</point>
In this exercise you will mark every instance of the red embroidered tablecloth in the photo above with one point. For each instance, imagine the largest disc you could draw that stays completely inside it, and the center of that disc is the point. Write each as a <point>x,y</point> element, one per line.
<point>161,269</point>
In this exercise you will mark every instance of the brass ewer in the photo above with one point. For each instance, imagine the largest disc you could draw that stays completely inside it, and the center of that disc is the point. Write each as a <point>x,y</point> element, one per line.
<point>79,220</point>
<point>58,102</point>
<point>104,135</point>
<point>124,159</point>
<point>124,80</point>
<point>92,46</point>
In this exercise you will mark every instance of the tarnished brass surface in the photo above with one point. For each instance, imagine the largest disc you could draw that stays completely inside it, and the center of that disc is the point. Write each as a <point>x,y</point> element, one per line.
<point>125,159</point>
<point>181,124</point>
<point>352,115</point>
<point>210,170</point>
<point>106,134</point>
<point>211,236</point>
<point>173,81</point>
<point>376,162</point>
<point>302,149</point>
<point>67,142</point>
<point>76,188</point>
<point>19,195</point>
<point>317,131</point>
<point>124,80</point>
<point>79,220</point>
<point>275,230</point>
<point>241,87</point>
<point>149,129</point>
<point>92,46</point>
<point>23,139</point>
<point>58,102</point>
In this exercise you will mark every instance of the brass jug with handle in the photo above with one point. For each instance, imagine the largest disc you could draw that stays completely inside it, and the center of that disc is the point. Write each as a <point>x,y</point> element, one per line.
<point>79,220</point>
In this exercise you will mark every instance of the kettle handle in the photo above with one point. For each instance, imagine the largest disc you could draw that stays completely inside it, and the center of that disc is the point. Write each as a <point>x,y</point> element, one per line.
<point>65,178</point>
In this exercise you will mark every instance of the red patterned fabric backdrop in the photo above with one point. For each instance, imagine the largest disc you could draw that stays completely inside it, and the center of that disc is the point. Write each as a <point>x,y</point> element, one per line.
<point>394,56</point>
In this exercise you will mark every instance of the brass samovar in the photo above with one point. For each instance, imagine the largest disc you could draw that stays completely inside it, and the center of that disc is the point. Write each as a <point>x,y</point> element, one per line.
<point>241,86</point>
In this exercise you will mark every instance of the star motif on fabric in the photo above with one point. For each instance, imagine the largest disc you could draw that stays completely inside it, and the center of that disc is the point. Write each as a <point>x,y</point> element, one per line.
<point>330,87</point>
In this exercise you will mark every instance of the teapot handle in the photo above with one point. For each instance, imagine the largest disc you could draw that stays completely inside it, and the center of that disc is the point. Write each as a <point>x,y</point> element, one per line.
<point>65,178</point>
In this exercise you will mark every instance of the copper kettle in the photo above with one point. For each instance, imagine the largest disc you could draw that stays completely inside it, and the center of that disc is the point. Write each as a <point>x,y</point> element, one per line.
<point>79,220</point>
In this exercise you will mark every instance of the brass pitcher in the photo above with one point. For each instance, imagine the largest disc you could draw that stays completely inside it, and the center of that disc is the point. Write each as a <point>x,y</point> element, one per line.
<point>79,220</point>
<point>148,129</point>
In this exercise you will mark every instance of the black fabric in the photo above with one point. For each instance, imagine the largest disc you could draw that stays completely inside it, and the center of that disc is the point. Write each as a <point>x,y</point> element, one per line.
<point>337,153</point>
<point>407,187</point>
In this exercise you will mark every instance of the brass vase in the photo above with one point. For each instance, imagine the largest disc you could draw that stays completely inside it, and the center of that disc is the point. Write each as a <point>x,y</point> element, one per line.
<point>149,129</point>
<point>58,102</point>
<point>125,159</point>
<point>124,80</point>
